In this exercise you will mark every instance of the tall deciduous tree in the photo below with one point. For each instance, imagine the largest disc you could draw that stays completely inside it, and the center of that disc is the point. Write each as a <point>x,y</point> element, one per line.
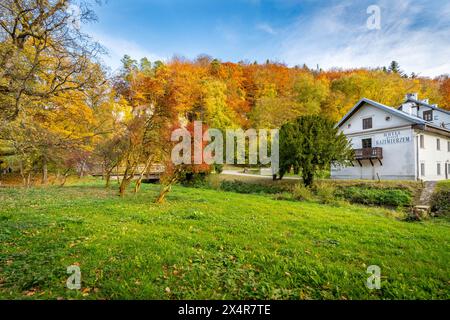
<point>43,51</point>
<point>153,100</point>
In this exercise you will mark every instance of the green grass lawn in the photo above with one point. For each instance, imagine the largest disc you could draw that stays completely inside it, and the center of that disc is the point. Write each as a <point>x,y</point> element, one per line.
<point>207,244</point>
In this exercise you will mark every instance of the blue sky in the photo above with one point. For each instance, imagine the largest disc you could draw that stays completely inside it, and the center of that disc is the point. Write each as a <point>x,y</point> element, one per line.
<point>328,33</point>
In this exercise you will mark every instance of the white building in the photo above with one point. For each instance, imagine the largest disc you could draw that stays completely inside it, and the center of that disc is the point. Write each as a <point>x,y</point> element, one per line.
<point>408,143</point>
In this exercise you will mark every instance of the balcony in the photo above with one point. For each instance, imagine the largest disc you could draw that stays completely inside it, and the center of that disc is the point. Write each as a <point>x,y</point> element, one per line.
<point>369,154</point>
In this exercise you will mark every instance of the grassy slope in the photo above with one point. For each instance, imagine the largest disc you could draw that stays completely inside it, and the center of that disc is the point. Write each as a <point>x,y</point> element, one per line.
<point>212,245</point>
<point>444,185</point>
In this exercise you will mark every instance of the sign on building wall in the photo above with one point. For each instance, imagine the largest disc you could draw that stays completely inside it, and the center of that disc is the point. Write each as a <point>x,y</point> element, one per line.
<point>393,137</point>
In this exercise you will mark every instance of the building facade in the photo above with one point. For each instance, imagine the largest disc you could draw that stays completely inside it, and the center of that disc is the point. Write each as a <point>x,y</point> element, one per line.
<point>411,142</point>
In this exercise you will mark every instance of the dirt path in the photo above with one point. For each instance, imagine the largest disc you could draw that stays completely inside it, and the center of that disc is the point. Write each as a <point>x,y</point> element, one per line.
<point>427,192</point>
<point>237,173</point>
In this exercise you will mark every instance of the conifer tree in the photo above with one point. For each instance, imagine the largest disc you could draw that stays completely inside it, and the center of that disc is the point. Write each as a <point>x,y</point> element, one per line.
<point>312,143</point>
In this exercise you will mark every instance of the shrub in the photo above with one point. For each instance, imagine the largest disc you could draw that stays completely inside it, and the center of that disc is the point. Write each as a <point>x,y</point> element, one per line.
<point>193,179</point>
<point>301,193</point>
<point>325,193</point>
<point>372,196</point>
<point>218,168</point>
<point>440,201</point>
<point>213,182</point>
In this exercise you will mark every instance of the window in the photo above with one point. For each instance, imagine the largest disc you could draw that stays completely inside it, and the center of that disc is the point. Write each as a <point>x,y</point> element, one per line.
<point>448,146</point>
<point>428,115</point>
<point>438,144</point>
<point>366,143</point>
<point>438,169</point>
<point>422,169</point>
<point>367,123</point>
<point>422,142</point>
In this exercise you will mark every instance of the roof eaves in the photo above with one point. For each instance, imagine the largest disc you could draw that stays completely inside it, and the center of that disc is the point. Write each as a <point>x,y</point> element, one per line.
<point>383,107</point>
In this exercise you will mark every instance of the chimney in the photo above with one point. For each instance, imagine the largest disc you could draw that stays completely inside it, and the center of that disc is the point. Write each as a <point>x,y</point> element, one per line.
<point>414,96</point>
<point>407,108</point>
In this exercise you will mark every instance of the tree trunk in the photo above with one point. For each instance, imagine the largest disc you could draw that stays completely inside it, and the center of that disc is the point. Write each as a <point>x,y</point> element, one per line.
<point>162,194</point>
<point>137,187</point>
<point>108,179</point>
<point>29,180</point>
<point>63,182</point>
<point>123,187</point>
<point>167,187</point>
<point>82,170</point>
<point>127,177</point>
<point>124,184</point>
<point>44,171</point>
<point>58,174</point>
<point>308,179</point>
<point>22,174</point>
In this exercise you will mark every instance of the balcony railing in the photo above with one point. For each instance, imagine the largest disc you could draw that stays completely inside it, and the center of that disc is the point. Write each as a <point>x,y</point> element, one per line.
<point>369,153</point>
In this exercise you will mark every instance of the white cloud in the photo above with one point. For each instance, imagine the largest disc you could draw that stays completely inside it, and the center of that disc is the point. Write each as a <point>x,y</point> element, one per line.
<point>266,28</point>
<point>338,37</point>
<point>118,47</point>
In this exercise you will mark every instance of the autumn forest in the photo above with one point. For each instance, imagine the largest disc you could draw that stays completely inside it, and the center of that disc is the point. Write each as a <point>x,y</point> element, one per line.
<point>221,94</point>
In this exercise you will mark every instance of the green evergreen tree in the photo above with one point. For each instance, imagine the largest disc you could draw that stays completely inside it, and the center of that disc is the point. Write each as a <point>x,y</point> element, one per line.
<point>394,67</point>
<point>310,144</point>
<point>145,66</point>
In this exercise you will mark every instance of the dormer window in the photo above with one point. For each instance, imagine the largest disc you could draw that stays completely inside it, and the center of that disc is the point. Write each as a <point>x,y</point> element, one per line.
<point>367,123</point>
<point>428,115</point>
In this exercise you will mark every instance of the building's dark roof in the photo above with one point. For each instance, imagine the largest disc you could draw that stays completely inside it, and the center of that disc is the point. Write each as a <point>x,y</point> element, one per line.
<point>401,114</point>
